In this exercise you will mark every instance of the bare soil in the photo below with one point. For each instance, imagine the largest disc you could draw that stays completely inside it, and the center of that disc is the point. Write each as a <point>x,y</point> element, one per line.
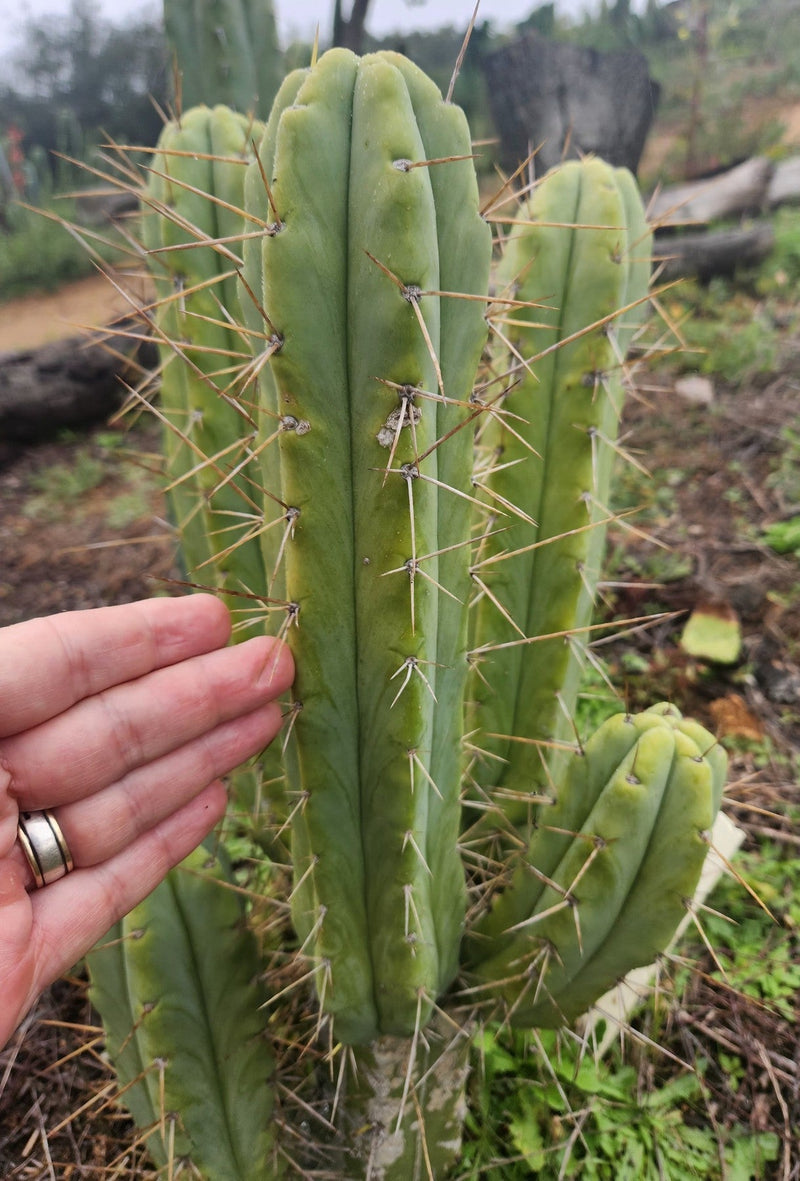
<point>716,489</point>
<point>39,319</point>
<point>63,550</point>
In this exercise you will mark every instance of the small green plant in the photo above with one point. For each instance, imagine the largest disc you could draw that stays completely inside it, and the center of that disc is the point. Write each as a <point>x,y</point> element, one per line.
<point>39,255</point>
<point>68,481</point>
<point>748,932</point>
<point>543,1106</point>
<point>132,505</point>
<point>785,475</point>
<point>728,333</point>
<point>779,274</point>
<point>65,483</point>
<point>784,536</point>
<point>65,487</point>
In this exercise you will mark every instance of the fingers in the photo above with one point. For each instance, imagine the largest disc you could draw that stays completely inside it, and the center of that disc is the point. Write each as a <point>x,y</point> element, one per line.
<point>72,914</point>
<point>47,665</point>
<point>103,738</point>
<point>102,825</point>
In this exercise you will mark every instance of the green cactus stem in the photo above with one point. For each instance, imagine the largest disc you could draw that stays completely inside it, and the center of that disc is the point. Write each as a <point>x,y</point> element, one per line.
<point>578,259</point>
<point>226,50</point>
<point>320,348</point>
<point>374,201</point>
<point>175,983</point>
<point>192,227</point>
<point>610,870</point>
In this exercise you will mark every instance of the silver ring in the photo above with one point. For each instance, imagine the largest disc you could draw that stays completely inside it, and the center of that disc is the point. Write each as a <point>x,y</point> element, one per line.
<point>44,846</point>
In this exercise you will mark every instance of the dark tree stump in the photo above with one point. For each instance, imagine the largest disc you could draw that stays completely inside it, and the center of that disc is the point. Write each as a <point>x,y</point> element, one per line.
<point>567,102</point>
<point>67,384</point>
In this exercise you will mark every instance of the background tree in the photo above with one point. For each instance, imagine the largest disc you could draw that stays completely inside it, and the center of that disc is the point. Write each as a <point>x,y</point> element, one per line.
<point>349,31</point>
<point>78,78</point>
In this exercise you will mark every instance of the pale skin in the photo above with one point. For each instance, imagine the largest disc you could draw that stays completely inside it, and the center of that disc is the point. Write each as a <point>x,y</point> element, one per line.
<point>121,721</point>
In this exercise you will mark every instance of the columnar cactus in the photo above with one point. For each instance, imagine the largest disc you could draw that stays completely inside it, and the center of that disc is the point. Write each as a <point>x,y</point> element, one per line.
<point>577,266</point>
<point>609,871</point>
<point>349,428</point>
<point>191,228</point>
<point>176,985</point>
<point>226,51</point>
<point>375,202</point>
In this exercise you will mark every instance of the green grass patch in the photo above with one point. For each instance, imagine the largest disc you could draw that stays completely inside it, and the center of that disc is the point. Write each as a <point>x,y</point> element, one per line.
<point>63,485</point>
<point>62,490</point>
<point>41,254</point>
<point>545,1107</point>
<point>750,937</point>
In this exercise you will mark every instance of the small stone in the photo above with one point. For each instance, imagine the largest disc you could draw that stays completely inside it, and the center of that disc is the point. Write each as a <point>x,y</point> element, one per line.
<point>695,389</point>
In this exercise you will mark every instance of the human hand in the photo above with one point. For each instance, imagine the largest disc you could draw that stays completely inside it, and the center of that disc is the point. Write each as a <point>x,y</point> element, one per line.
<point>120,721</point>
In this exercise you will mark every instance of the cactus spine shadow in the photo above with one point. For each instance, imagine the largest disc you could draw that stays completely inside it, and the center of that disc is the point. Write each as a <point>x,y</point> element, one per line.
<point>431,548</point>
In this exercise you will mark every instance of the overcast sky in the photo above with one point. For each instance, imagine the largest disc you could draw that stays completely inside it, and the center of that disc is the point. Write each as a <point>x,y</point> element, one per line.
<point>298,18</point>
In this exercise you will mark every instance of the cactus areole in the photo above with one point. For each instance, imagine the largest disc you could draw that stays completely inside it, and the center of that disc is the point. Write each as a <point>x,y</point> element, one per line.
<point>371,278</point>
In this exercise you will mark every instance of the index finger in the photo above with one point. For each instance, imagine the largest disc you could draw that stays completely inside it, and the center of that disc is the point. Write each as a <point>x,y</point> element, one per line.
<point>49,664</point>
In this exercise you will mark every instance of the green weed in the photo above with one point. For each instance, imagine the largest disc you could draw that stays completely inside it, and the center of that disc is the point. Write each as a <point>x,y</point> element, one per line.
<point>784,536</point>
<point>784,479</point>
<point>64,484</point>
<point>751,936</point>
<point>60,488</point>
<point>126,508</point>
<point>136,501</point>
<point>542,1107</point>
<point>780,273</point>
<point>41,255</point>
<point>728,334</point>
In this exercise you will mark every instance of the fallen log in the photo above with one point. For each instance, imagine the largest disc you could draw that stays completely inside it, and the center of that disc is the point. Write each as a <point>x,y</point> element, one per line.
<point>740,190</point>
<point>784,188</point>
<point>704,256</point>
<point>68,384</point>
<point>97,206</point>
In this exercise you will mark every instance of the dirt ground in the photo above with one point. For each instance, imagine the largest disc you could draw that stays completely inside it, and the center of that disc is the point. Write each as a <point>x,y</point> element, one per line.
<point>82,524</point>
<point>39,319</point>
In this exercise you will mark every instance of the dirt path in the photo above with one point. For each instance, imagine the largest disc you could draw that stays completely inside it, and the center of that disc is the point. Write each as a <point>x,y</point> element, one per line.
<point>38,319</point>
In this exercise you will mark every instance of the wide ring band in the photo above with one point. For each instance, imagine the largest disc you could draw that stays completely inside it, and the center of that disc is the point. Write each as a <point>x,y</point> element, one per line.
<point>44,847</point>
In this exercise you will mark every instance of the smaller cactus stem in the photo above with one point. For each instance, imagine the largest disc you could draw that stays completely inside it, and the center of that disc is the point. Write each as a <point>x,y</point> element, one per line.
<point>176,986</point>
<point>607,873</point>
<point>566,366</point>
